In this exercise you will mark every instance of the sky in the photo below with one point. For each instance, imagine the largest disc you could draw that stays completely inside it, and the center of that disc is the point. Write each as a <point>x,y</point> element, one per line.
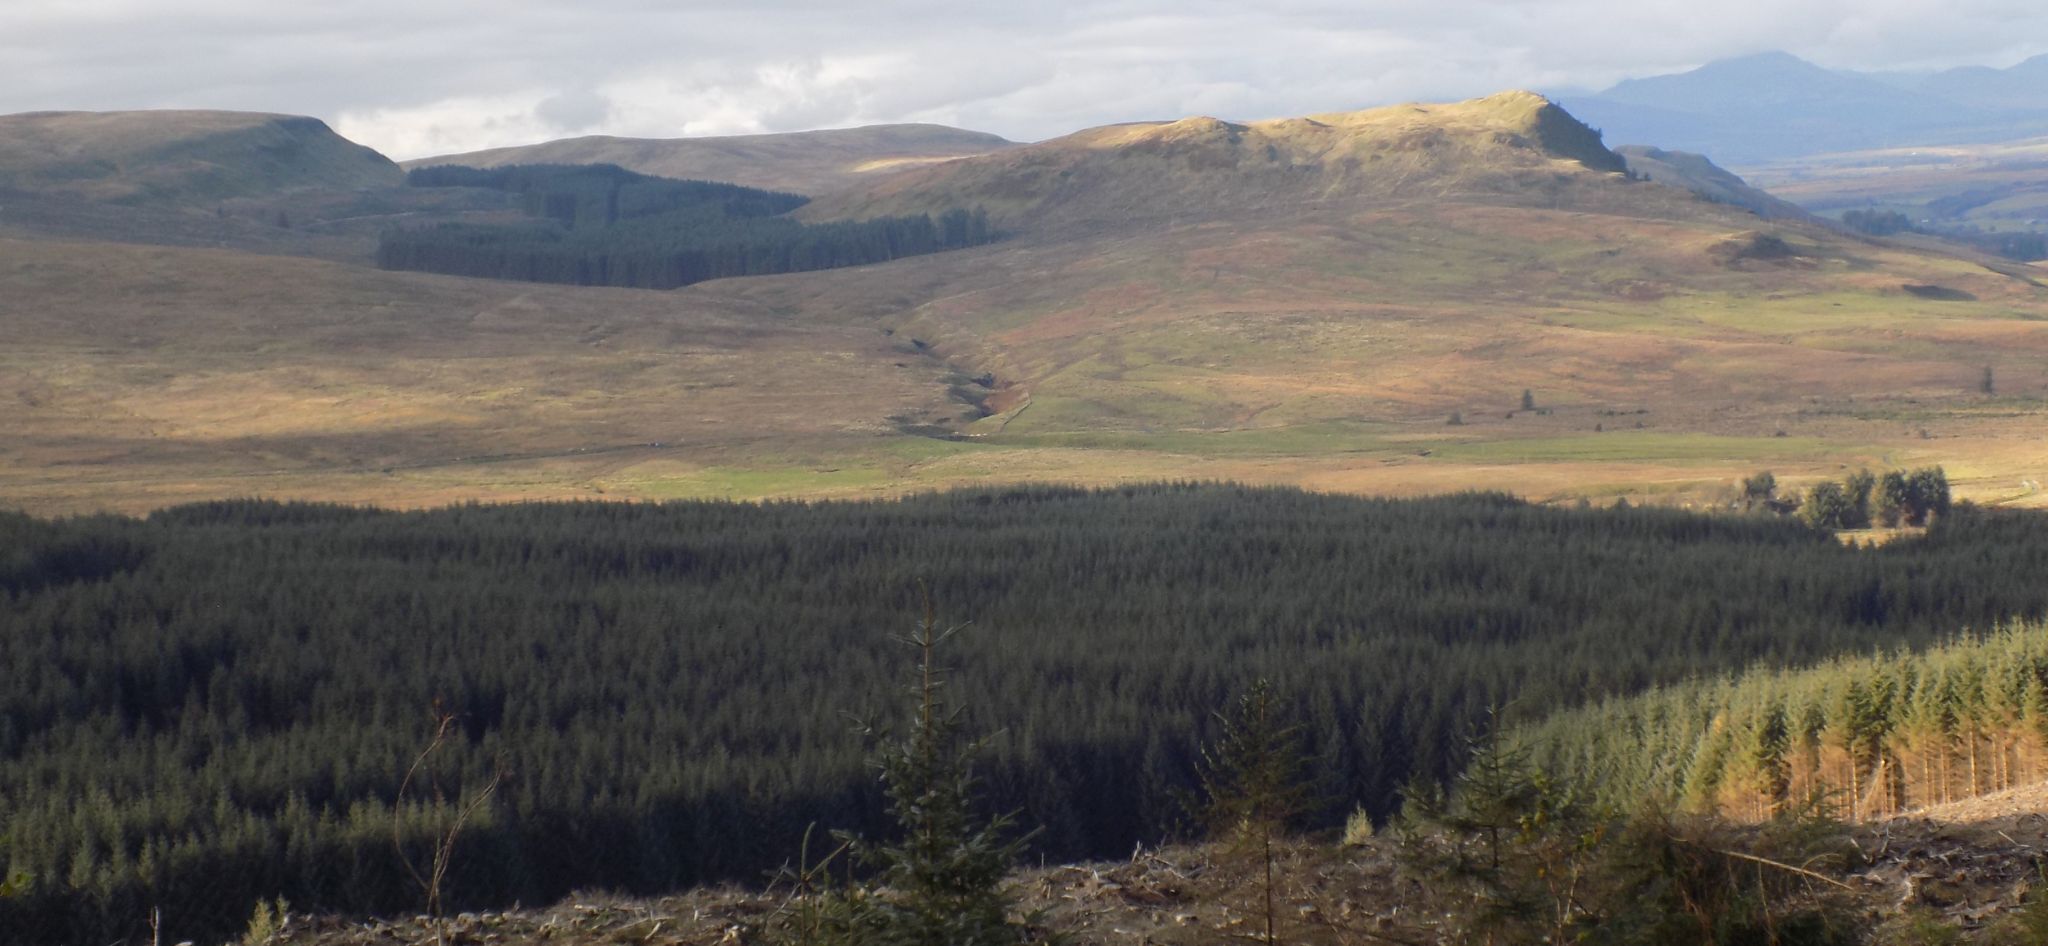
<point>414,78</point>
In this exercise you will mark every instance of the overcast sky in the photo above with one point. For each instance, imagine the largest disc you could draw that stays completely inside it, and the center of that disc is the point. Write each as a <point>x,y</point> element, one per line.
<point>419,77</point>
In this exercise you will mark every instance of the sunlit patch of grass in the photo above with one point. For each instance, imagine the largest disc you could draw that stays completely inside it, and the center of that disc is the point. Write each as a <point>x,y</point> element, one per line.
<point>1630,445</point>
<point>722,482</point>
<point>1328,439</point>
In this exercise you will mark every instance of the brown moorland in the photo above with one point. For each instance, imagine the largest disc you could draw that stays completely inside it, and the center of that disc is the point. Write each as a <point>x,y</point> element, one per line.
<point>179,157</point>
<point>139,376</point>
<point>1306,301</point>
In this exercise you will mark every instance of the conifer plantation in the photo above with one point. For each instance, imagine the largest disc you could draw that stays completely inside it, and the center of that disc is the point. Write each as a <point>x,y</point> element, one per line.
<point>1872,736</point>
<point>600,225</point>
<point>218,703</point>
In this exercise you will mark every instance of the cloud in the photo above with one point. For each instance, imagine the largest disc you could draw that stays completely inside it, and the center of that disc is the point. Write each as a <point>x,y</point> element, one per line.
<point>574,111</point>
<point>414,79</point>
<point>450,125</point>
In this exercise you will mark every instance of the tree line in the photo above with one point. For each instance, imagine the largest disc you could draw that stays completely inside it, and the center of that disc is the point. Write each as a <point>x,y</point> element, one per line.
<point>595,196</point>
<point>1878,222</point>
<point>599,225</point>
<point>217,704</point>
<point>1870,736</point>
<point>1864,499</point>
<point>2012,244</point>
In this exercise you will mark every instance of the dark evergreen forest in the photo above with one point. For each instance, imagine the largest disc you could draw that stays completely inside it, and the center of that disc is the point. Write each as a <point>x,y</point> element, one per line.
<point>218,703</point>
<point>601,225</point>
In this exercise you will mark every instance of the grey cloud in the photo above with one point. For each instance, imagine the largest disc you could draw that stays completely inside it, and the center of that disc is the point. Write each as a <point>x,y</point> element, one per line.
<point>403,75</point>
<point>574,111</point>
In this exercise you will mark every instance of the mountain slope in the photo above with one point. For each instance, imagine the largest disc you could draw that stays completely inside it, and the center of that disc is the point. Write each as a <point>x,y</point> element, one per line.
<point>810,162</point>
<point>2022,87</point>
<point>1703,177</point>
<point>1781,85</point>
<point>1219,291</point>
<point>1514,142</point>
<point>180,157</point>
<point>136,374</point>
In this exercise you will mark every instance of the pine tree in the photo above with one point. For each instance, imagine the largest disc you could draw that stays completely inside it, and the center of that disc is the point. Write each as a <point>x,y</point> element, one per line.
<point>1255,787</point>
<point>1860,485</point>
<point>1927,495</point>
<point>1770,744</point>
<point>1506,839</point>
<point>1892,499</point>
<point>1828,506</point>
<point>941,883</point>
<point>1759,489</point>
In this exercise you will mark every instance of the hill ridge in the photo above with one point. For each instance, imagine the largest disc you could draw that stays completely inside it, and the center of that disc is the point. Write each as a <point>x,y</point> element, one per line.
<point>883,128</point>
<point>180,156</point>
<point>1700,175</point>
<point>1501,142</point>
<point>809,162</point>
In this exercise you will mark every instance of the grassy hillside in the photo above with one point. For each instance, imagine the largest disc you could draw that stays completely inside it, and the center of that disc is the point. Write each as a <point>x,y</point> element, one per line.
<point>1695,173</point>
<point>1230,304</point>
<point>1307,302</point>
<point>271,184</point>
<point>180,157</point>
<point>812,162</point>
<point>145,374</point>
<point>1515,146</point>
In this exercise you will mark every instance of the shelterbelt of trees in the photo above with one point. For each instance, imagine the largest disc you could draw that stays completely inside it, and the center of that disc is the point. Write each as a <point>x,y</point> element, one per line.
<point>219,703</point>
<point>600,225</point>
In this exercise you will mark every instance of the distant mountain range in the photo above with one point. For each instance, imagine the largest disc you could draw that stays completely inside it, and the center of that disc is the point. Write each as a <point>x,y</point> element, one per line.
<point>1773,106</point>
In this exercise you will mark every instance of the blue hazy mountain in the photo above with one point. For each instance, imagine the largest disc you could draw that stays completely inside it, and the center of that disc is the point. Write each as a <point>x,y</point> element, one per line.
<point>2023,87</point>
<point>1775,105</point>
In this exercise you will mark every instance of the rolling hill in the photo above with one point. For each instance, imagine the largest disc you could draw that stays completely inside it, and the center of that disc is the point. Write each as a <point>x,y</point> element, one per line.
<point>2021,87</point>
<point>1352,301</point>
<point>1958,152</point>
<point>1515,146</point>
<point>1351,313</point>
<point>273,184</point>
<point>810,162</point>
<point>180,157</point>
<point>143,373</point>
